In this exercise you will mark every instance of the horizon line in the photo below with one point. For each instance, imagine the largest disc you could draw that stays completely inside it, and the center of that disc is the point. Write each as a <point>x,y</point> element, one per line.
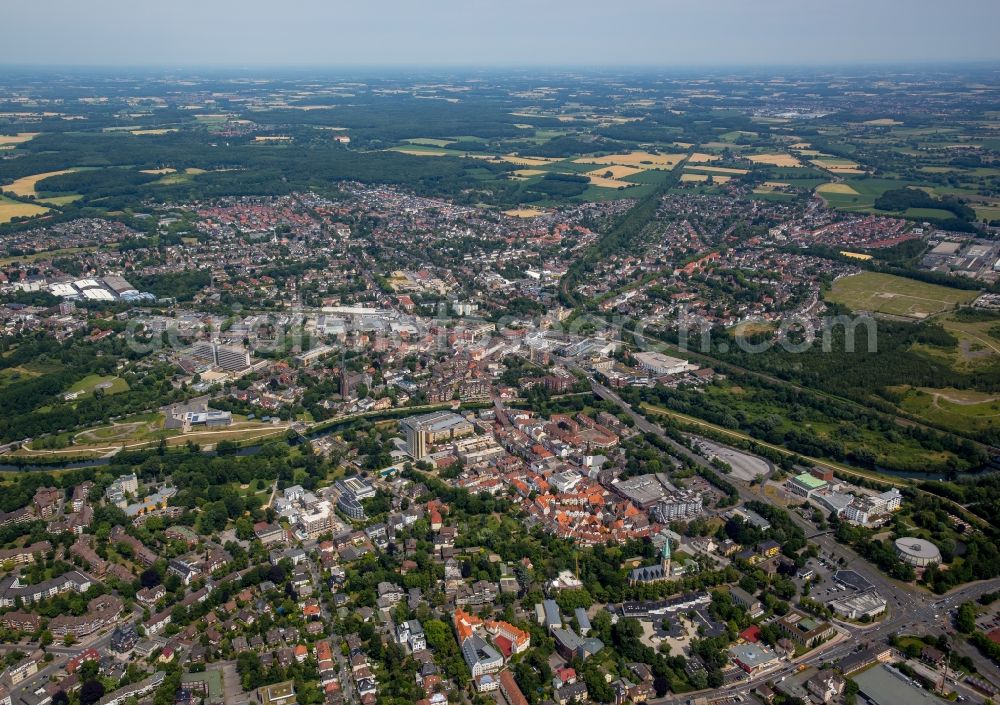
<point>413,68</point>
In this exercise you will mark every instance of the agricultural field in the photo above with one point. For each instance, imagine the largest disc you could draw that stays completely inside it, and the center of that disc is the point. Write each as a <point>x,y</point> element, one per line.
<point>10,209</point>
<point>700,178</point>
<point>19,138</point>
<point>896,296</point>
<point>784,160</point>
<point>615,171</point>
<point>430,142</point>
<point>60,200</point>
<point>838,188</point>
<point>639,159</point>
<point>25,186</point>
<point>716,169</point>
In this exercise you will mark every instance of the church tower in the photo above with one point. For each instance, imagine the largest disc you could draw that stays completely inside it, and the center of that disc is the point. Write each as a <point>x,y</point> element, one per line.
<point>665,558</point>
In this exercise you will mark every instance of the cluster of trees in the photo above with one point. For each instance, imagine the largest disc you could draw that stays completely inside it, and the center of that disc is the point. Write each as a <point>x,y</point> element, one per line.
<point>902,199</point>
<point>979,494</point>
<point>181,286</point>
<point>38,402</point>
<point>561,185</point>
<point>780,414</point>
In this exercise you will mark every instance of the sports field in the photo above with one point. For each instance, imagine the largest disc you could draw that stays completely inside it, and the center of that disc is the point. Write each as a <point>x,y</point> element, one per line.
<point>896,296</point>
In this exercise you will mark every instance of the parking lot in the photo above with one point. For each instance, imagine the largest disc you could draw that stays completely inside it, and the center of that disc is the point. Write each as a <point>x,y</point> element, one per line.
<point>744,466</point>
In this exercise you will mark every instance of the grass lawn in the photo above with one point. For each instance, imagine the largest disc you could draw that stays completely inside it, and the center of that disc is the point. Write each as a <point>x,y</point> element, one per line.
<point>427,141</point>
<point>896,296</point>
<point>988,212</point>
<point>928,213</point>
<point>90,383</point>
<point>60,200</point>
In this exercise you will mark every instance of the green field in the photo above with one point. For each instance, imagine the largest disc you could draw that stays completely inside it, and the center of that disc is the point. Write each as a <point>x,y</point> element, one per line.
<point>430,142</point>
<point>962,410</point>
<point>988,212</point>
<point>896,296</point>
<point>90,383</point>
<point>927,213</point>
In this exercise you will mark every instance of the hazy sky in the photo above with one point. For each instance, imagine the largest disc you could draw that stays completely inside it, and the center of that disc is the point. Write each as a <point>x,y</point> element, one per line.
<point>491,32</point>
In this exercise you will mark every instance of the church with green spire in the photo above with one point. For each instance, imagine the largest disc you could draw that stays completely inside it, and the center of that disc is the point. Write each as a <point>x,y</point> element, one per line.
<point>653,573</point>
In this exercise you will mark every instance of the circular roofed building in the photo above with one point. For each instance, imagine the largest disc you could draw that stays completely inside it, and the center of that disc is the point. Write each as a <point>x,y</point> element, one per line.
<point>917,552</point>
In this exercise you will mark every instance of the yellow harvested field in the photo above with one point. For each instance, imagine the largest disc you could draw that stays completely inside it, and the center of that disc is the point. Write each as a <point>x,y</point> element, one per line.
<point>845,189</point>
<point>12,209</point>
<point>882,121</point>
<point>162,131</point>
<point>841,168</point>
<point>856,255</point>
<point>164,170</point>
<point>194,171</point>
<point>609,183</point>
<point>716,169</point>
<point>25,186</point>
<point>637,159</point>
<point>775,160</point>
<point>615,171</point>
<point>701,158</point>
<point>19,138</point>
<point>526,161</point>
<point>527,173</point>
<point>800,145</point>
<point>524,212</point>
<point>716,178</point>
